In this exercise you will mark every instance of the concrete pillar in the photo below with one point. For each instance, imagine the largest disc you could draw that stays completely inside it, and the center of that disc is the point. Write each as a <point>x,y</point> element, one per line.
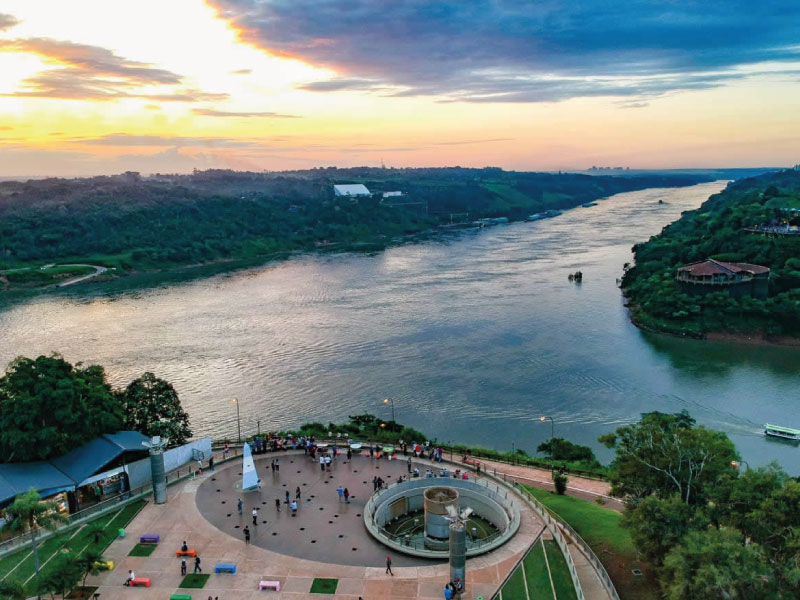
<point>156,445</point>
<point>458,552</point>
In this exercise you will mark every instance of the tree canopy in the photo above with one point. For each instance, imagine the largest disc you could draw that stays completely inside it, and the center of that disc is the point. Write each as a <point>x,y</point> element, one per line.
<point>717,230</point>
<point>665,454</point>
<point>151,406</point>
<point>49,407</point>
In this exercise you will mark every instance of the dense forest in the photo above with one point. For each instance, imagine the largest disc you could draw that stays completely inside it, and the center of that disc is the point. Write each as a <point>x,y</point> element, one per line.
<point>717,230</point>
<point>136,223</point>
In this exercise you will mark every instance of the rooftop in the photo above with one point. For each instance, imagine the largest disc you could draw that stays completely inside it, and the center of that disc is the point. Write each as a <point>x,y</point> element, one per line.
<point>715,267</point>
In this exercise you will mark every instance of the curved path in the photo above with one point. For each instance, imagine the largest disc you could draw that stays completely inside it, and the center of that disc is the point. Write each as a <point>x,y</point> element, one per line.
<point>98,270</point>
<point>181,519</point>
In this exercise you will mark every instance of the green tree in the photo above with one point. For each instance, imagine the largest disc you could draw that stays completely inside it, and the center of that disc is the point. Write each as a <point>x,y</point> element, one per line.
<point>714,565</point>
<point>49,407</point>
<point>152,407</point>
<point>12,590</point>
<point>658,524</point>
<point>27,514</point>
<point>88,562</point>
<point>667,454</point>
<point>559,483</point>
<point>561,449</point>
<point>63,574</point>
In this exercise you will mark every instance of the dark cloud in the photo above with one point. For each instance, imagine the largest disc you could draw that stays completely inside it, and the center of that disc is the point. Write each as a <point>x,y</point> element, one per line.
<point>521,50</point>
<point>210,112</point>
<point>7,21</point>
<point>95,73</point>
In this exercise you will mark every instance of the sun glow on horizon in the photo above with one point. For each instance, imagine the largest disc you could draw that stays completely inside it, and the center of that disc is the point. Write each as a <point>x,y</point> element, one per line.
<point>104,87</point>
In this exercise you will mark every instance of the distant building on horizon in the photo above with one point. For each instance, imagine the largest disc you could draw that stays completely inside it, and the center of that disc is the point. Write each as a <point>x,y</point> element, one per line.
<point>738,279</point>
<point>351,190</point>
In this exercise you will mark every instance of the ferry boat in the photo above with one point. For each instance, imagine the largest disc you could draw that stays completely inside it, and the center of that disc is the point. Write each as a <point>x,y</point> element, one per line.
<point>786,433</point>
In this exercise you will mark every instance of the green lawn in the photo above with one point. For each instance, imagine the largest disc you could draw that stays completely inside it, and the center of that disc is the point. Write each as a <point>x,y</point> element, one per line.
<point>536,574</point>
<point>143,549</point>
<point>514,589</point>
<point>595,524</point>
<point>601,528</point>
<point>562,580</point>
<point>194,580</point>
<point>324,586</point>
<point>19,565</point>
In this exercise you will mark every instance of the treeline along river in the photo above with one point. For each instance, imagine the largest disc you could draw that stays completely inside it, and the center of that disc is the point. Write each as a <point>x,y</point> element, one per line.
<point>474,335</point>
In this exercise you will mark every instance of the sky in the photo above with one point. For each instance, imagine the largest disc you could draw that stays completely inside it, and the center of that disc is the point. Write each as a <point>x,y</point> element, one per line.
<point>91,87</point>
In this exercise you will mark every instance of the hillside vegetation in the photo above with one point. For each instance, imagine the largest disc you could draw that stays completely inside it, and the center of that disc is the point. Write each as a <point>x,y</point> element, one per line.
<point>717,230</point>
<point>136,223</point>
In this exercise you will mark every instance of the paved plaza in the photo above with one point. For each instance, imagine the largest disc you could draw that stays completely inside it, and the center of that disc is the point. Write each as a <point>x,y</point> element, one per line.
<point>194,512</point>
<point>325,528</point>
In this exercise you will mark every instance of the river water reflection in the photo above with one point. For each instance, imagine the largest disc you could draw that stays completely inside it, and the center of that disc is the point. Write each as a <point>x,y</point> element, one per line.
<point>475,337</point>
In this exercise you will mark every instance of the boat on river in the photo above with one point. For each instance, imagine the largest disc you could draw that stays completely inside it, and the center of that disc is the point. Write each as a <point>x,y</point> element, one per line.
<point>548,214</point>
<point>787,433</point>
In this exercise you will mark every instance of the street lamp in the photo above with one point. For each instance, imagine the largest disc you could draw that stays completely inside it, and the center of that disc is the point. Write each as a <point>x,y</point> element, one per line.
<point>238,420</point>
<point>387,401</point>
<point>552,425</point>
<point>738,463</point>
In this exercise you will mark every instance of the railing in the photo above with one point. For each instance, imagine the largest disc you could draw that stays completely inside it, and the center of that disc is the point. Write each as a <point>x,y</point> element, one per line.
<point>474,548</point>
<point>555,524</point>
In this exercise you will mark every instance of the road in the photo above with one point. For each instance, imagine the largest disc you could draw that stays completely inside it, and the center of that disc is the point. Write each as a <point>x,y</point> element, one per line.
<point>97,271</point>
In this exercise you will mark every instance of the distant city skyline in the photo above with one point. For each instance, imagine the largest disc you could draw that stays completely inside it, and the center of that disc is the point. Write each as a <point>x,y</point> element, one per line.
<point>96,87</point>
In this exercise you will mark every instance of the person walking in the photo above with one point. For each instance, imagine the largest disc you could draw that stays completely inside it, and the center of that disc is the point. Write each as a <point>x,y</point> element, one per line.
<point>287,498</point>
<point>328,462</point>
<point>389,565</point>
<point>293,506</point>
<point>239,506</point>
<point>183,566</point>
<point>246,535</point>
<point>349,454</point>
<point>277,465</point>
<point>409,464</point>
<point>211,463</point>
<point>346,496</point>
<point>297,493</point>
<point>255,516</point>
<point>321,462</point>
<point>272,465</point>
<point>197,567</point>
<point>278,504</point>
<point>340,491</point>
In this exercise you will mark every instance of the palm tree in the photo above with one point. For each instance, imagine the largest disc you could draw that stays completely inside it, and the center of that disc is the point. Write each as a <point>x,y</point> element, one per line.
<point>27,514</point>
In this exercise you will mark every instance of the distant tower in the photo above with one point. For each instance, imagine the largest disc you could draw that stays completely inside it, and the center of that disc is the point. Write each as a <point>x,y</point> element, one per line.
<point>156,445</point>
<point>383,166</point>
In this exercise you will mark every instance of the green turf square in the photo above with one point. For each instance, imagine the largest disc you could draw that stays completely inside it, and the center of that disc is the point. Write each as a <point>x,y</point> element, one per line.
<point>142,550</point>
<point>194,580</point>
<point>324,586</point>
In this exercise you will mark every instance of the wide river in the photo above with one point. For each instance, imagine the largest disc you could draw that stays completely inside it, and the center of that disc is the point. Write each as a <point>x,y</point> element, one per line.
<point>474,337</point>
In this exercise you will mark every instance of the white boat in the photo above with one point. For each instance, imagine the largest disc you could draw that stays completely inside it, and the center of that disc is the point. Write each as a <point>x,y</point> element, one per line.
<point>787,433</point>
<point>355,445</point>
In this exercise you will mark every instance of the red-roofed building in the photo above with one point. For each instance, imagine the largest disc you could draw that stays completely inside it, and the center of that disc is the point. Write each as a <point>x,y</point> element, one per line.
<point>739,279</point>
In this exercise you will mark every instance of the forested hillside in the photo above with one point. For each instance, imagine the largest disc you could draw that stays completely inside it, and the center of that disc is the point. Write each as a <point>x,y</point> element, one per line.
<point>718,230</point>
<point>162,221</point>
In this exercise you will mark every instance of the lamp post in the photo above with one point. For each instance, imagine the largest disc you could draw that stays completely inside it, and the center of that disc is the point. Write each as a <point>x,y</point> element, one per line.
<point>388,401</point>
<point>738,463</point>
<point>552,425</point>
<point>238,420</point>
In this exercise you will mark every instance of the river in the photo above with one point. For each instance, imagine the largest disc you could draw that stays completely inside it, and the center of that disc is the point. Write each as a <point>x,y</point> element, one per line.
<point>475,336</point>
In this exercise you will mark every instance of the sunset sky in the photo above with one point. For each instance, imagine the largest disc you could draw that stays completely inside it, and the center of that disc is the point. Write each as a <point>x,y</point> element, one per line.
<point>97,87</point>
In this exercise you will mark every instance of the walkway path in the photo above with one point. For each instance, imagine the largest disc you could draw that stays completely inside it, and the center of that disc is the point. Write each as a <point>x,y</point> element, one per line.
<point>179,519</point>
<point>580,487</point>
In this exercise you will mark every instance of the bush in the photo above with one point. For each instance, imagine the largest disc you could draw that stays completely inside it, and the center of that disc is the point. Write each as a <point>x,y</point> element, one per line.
<point>560,483</point>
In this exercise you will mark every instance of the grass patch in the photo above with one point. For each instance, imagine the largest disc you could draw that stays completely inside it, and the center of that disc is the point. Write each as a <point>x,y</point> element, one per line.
<point>514,588</point>
<point>595,524</point>
<point>601,528</point>
<point>143,549</point>
<point>324,586</point>
<point>18,566</point>
<point>194,581</point>
<point>562,580</point>
<point>536,574</point>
